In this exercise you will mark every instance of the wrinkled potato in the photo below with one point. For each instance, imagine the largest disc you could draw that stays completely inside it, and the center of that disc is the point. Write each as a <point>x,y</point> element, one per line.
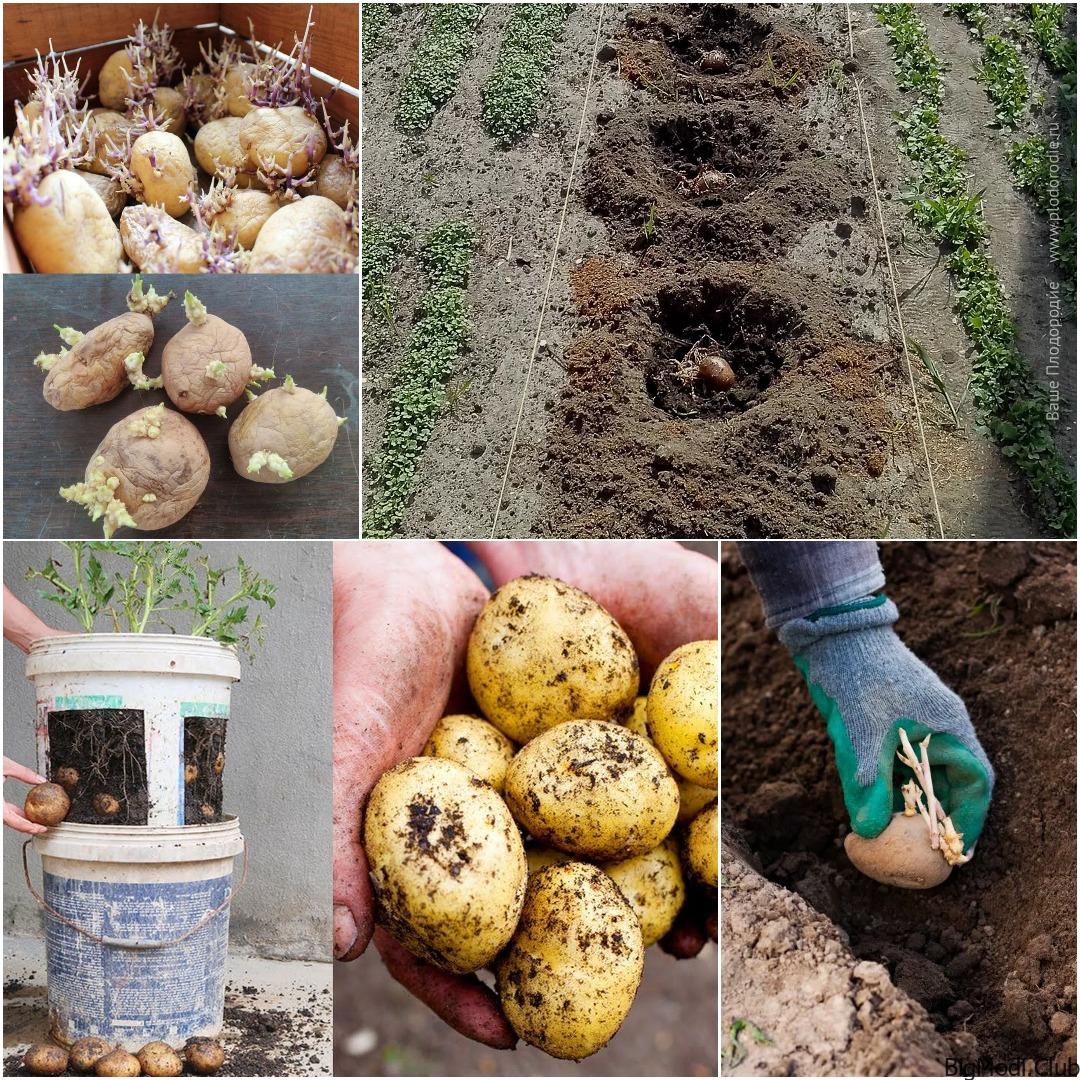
<point>244,214</point>
<point>702,847</point>
<point>573,969</point>
<point>44,1059</point>
<point>287,139</point>
<point>542,652</point>
<point>72,233</point>
<point>161,164</point>
<point>447,863</point>
<point>309,236</point>
<point>207,364</point>
<point>87,1052</point>
<point>116,80</point>
<point>204,1056</point>
<point>283,434</point>
<point>335,180</point>
<point>118,1062</point>
<point>217,146</point>
<point>109,190</point>
<point>46,804</point>
<point>159,1059</point>
<point>594,789</point>
<point>474,743</point>
<point>237,89</point>
<point>93,371</point>
<point>147,473</point>
<point>110,130</point>
<point>653,886</point>
<point>158,244</point>
<point>170,102</point>
<point>682,712</point>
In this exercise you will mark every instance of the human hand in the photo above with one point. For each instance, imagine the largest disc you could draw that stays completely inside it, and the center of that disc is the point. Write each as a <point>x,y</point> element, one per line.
<point>13,815</point>
<point>402,616</point>
<point>21,626</point>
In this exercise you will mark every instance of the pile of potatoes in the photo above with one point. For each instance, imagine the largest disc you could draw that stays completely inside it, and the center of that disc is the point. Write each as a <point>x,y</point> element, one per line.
<point>93,1054</point>
<point>152,467</point>
<point>227,169</point>
<point>555,837</point>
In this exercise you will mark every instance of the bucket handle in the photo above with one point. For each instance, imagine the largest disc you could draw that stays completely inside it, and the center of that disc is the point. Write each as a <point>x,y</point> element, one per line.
<point>120,943</point>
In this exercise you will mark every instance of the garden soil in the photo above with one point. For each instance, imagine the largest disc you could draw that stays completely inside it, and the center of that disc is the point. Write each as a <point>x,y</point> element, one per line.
<point>984,966</point>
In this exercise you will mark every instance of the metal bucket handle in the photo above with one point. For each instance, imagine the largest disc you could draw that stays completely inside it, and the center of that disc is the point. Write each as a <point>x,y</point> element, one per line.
<point>119,943</point>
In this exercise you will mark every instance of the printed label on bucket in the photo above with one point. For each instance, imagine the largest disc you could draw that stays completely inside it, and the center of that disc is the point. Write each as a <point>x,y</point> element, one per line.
<point>129,995</point>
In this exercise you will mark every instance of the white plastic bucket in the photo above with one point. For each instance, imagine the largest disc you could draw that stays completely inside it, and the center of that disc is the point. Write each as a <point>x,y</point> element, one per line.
<point>167,677</point>
<point>137,929</point>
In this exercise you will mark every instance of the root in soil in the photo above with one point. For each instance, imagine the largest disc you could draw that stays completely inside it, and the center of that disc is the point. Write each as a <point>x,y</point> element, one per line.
<point>204,764</point>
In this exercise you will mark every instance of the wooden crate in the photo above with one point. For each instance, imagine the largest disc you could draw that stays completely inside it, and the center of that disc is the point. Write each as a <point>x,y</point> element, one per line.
<point>90,33</point>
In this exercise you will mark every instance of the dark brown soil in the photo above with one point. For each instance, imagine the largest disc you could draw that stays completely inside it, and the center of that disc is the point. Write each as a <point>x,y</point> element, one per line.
<point>991,954</point>
<point>204,757</point>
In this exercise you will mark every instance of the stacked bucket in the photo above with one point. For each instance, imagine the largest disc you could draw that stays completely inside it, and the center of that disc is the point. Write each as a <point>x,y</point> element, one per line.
<point>136,915</point>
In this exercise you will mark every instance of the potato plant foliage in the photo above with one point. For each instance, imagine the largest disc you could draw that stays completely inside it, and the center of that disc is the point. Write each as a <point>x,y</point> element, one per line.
<point>149,583</point>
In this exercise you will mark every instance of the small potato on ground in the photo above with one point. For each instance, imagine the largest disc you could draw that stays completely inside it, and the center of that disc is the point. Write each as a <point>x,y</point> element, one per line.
<point>118,1062</point>
<point>474,743</point>
<point>86,1053</point>
<point>159,1059</point>
<point>44,1059</point>
<point>682,712</point>
<point>204,1056</point>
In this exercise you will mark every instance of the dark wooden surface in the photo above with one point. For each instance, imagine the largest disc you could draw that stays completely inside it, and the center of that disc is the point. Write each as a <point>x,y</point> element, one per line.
<point>303,325</point>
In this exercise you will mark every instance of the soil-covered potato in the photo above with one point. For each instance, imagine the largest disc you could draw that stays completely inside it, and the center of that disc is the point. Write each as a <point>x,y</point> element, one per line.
<point>474,743</point>
<point>309,236</point>
<point>900,856</point>
<point>170,103</point>
<point>682,712</point>
<point>447,863</point>
<point>160,1059</point>
<point>594,789</point>
<point>72,232</point>
<point>116,80</point>
<point>118,1062</point>
<point>204,1056</point>
<point>158,244</point>
<point>111,193</point>
<point>93,371</point>
<point>537,856</point>
<point>68,778</point>
<point>161,164</point>
<point>109,130</point>
<point>542,652</point>
<point>243,214</point>
<point>702,847</point>
<point>653,886</point>
<point>217,146</point>
<point>46,804</point>
<point>106,805</point>
<point>86,1053</point>
<point>147,473</point>
<point>207,364</point>
<point>571,972</point>
<point>44,1059</point>
<point>237,89</point>
<point>334,180</point>
<point>284,140</point>
<point>283,434</point>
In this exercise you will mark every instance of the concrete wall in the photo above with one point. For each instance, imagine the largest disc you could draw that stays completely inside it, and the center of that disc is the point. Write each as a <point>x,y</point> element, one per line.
<point>279,773</point>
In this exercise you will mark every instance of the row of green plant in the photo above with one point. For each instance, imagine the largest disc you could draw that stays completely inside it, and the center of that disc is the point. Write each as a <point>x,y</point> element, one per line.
<point>513,91</point>
<point>437,63</point>
<point>1057,49</point>
<point>383,246</point>
<point>1001,69</point>
<point>374,21</point>
<point>1014,409</point>
<point>439,335</point>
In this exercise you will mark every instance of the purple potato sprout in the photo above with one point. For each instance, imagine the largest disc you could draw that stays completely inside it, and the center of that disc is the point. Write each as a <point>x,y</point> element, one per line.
<point>278,80</point>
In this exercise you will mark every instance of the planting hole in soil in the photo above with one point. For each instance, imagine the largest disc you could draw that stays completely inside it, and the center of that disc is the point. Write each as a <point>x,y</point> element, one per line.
<point>204,764</point>
<point>107,749</point>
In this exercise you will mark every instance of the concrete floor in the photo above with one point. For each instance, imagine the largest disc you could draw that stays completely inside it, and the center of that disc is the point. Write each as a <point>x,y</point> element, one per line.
<point>285,985</point>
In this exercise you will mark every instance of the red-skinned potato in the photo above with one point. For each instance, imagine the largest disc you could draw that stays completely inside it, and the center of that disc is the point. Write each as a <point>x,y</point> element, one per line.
<point>147,473</point>
<point>283,434</point>
<point>309,236</point>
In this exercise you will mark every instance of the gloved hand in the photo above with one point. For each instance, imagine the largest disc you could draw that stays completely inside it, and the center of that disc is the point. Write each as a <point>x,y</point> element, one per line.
<point>867,685</point>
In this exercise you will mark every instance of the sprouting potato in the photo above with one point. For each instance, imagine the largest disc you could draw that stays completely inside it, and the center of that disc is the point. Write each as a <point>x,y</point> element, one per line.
<point>900,856</point>
<point>93,370</point>
<point>46,804</point>
<point>148,472</point>
<point>473,743</point>
<point>334,180</point>
<point>110,191</point>
<point>237,89</point>
<point>283,434</point>
<point>682,712</point>
<point>309,236</point>
<point>243,213</point>
<point>217,146</point>
<point>116,80</point>
<point>204,1056</point>
<point>70,233</point>
<point>110,131</point>
<point>594,789</point>
<point>207,364</point>
<point>447,863</point>
<point>157,243</point>
<point>44,1059</point>
<point>702,846</point>
<point>87,1052</point>
<point>572,970</point>
<point>160,1059</point>
<point>118,1062</point>
<point>286,140</point>
<point>170,102</point>
<point>653,886</point>
<point>160,163</point>
<point>542,652</point>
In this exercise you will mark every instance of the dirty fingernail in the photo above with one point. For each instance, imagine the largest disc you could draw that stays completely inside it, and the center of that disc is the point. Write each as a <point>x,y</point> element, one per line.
<point>344,930</point>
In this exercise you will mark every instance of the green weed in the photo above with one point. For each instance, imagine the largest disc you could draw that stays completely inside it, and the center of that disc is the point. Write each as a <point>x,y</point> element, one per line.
<point>734,1054</point>
<point>382,247</point>
<point>374,20</point>
<point>936,377</point>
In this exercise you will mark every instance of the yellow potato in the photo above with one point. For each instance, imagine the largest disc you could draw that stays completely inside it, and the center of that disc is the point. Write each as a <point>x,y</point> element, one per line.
<point>693,799</point>
<point>474,743</point>
<point>538,856</point>
<point>217,146</point>
<point>170,102</point>
<point>310,236</point>
<point>594,789</point>
<point>570,975</point>
<point>635,722</point>
<point>682,712</point>
<point>702,847</point>
<point>161,164</point>
<point>285,139</point>
<point>653,886</point>
<point>447,863</point>
<point>542,652</point>
<point>237,88</point>
<point>900,856</point>
<point>115,80</point>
